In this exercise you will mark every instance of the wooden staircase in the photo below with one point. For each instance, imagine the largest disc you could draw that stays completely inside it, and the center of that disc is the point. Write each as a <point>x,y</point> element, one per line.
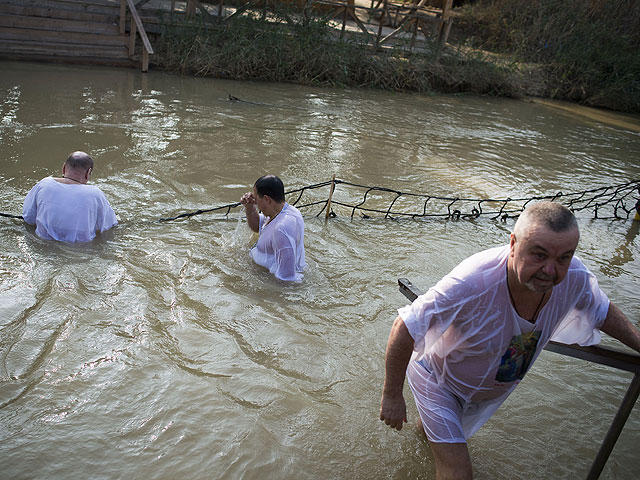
<point>68,31</point>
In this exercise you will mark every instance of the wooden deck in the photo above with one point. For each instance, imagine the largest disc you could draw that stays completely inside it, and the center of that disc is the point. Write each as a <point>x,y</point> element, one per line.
<point>105,31</point>
<point>66,31</point>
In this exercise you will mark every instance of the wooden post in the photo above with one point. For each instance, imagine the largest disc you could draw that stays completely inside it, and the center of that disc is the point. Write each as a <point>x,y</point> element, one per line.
<point>415,29</point>
<point>145,59</point>
<point>191,8</point>
<point>384,9</point>
<point>123,16</point>
<point>447,30</point>
<point>351,8</point>
<point>132,38</point>
<point>307,11</point>
<point>333,186</point>
<point>344,21</point>
<point>444,27</point>
<point>220,8</point>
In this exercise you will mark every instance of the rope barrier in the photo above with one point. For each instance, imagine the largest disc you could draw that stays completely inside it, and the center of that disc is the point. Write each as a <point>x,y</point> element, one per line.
<point>611,202</point>
<point>617,200</point>
<point>237,204</point>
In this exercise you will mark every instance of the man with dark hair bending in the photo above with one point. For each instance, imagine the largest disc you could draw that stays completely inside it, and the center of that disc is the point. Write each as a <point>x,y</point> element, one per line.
<point>280,247</point>
<point>66,208</point>
<point>467,342</point>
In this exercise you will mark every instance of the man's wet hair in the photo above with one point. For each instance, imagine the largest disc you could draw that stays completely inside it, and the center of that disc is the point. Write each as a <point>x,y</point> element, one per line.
<point>272,186</point>
<point>79,161</point>
<point>552,215</point>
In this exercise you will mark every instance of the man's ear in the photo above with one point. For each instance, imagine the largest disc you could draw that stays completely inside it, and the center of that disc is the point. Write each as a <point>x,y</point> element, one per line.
<point>88,173</point>
<point>512,241</point>
<point>64,167</point>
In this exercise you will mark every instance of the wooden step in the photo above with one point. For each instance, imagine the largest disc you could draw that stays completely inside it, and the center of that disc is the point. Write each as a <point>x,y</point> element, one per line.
<point>57,24</point>
<point>104,61</point>
<point>97,3</point>
<point>75,38</point>
<point>60,13</point>
<point>70,10</point>
<point>90,6</point>
<point>63,49</point>
<point>77,5</point>
<point>111,3</point>
<point>70,31</point>
<point>64,7</point>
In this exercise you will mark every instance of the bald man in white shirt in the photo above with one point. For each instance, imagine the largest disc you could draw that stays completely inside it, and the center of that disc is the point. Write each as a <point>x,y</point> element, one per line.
<point>465,344</point>
<point>66,208</point>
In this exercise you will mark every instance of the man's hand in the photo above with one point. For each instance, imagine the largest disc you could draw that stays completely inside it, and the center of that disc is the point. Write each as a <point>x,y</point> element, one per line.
<point>248,199</point>
<point>393,411</point>
<point>253,219</point>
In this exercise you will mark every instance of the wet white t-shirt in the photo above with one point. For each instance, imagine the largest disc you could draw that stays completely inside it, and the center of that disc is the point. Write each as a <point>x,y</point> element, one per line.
<point>280,247</point>
<point>67,212</point>
<point>472,341</point>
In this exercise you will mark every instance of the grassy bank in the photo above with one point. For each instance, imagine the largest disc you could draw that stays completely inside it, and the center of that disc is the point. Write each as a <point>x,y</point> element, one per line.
<point>500,47</point>
<point>588,50</point>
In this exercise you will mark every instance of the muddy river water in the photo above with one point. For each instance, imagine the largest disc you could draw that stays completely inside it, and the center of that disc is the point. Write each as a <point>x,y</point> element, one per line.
<point>160,351</point>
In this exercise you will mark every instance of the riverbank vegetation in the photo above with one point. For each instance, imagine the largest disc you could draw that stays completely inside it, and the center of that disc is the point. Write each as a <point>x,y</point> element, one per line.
<point>578,50</point>
<point>587,50</point>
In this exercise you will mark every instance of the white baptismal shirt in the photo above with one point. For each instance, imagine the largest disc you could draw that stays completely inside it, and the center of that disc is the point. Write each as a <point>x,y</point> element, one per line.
<point>280,247</point>
<point>67,212</point>
<point>472,347</point>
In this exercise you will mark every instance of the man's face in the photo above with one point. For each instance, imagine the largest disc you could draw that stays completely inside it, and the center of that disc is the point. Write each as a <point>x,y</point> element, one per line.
<point>260,201</point>
<point>542,257</point>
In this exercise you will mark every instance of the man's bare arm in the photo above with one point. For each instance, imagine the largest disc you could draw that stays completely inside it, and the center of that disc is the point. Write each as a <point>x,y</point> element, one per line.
<point>253,218</point>
<point>393,410</point>
<point>617,325</point>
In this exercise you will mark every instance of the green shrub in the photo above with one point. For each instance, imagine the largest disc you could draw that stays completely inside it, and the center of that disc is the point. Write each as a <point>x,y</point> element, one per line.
<point>312,52</point>
<point>579,50</point>
<point>589,48</point>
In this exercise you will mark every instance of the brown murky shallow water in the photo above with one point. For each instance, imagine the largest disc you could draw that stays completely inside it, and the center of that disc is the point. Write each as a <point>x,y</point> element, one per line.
<point>160,350</point>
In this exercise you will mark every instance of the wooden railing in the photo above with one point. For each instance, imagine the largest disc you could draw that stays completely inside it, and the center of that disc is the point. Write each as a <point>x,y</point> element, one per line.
<point>628,362</point>
<point>412,16</point>
<point>136,27</point>
<point>402,16</point>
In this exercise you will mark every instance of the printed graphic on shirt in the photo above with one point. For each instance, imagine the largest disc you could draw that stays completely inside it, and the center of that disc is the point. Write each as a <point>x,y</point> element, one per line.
<point>516,360</point>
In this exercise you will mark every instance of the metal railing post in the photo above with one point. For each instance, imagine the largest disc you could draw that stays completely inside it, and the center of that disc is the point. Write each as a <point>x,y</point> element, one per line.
<point>615,429</point>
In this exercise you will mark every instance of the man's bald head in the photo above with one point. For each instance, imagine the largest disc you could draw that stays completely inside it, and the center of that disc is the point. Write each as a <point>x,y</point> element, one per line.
<point>79,161</point>
<point>552,215</point>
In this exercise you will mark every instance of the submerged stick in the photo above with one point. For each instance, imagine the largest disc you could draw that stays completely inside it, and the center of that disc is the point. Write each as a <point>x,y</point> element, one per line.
<point>333,186</point>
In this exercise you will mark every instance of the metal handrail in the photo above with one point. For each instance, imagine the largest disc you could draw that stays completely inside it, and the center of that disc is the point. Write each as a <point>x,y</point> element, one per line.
<point>611,357</point>
<point>136,27</point>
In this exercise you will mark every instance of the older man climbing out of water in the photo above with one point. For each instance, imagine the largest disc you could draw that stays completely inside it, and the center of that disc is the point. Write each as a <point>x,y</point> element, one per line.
<point>467,342</point>
<point>280,247</point>
<point>66,208</point>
